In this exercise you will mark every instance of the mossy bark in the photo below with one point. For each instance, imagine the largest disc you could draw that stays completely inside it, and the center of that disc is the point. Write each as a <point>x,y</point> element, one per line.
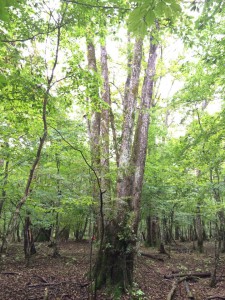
<point>115,259</point>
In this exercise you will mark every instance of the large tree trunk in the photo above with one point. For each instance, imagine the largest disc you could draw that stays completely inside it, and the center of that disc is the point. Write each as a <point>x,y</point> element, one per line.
<point>94,135</point>
<point>104,130</point>
<point>115,259</point>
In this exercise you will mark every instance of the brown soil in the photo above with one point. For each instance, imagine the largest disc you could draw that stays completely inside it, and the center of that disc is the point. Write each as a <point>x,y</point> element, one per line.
<point>65,278</point>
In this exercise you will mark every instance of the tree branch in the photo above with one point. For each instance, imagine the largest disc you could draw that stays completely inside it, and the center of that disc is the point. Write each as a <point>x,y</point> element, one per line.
<point>84,158</point>
<point>96,6</point>
<point>33,36</point>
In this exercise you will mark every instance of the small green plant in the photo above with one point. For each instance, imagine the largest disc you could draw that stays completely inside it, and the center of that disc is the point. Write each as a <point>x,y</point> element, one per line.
<point>117,293</point>
<point>183,268</point>
<point>137,293</point>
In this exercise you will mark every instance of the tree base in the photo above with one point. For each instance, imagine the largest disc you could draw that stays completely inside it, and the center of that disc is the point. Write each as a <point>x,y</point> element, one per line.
<point>114,268</point>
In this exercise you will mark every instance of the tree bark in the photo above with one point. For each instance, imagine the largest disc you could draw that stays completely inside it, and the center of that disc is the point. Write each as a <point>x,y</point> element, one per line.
<point>29,247</point>
<point>94,137</point>
<point>104,130</point>
<point>115,259</point>
<point>141,134</point>
<point>199,229</point>
<point>124,172</point>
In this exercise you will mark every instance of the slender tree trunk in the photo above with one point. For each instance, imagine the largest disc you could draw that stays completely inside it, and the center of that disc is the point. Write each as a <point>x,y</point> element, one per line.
<point>220,213</point>
<point>149,237</point>
<point>29,247</point>
<point>14,221</point>
<point>5,180</point>
<point>55,252</point>
<point>153,237</point>
<point>199,229</point>
<point>162,237</point>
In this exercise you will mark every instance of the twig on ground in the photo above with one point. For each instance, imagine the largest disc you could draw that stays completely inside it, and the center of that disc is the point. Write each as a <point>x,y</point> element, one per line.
<point>41,278</point>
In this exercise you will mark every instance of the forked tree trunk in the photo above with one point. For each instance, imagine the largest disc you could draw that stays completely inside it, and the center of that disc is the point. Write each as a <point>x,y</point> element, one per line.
<point>115,259</point>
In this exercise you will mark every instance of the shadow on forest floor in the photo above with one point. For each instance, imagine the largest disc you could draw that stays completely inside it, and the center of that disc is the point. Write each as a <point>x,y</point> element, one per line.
<point>65,278</point>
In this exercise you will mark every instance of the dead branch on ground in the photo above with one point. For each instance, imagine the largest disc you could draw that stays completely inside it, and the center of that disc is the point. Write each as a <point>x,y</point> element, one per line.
<point>188,291</point>
<point>200,275</point>
<point>216,297</point>
<point>151,256</point>
<point>45,284</point>
<point>174,287</point>
<point>10,273</point>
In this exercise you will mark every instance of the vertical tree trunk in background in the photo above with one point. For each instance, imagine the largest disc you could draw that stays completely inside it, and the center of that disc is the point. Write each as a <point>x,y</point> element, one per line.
<point>4,196</point>
<point>199,229</point>
<point>29,247</point>
<point>162,236</point>
<point>5,180</point>
<point>177,232</point>
<point>152,238</point>
<point>55,252</point>
<point>220,213</point>
<point>115,259</point>
<point>149,237</point>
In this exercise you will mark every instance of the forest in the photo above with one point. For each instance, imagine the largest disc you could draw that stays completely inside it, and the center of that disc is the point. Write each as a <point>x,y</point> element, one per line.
<point>112,138</point>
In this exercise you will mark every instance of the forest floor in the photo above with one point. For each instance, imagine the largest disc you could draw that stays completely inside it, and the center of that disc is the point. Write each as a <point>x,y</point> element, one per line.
<point>64,278</point>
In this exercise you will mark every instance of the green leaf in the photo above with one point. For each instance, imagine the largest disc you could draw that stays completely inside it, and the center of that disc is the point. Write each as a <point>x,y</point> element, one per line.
<point>175,7</point>
<point>2,79</point>
<point>159,10</point>
<point>150,18</point>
